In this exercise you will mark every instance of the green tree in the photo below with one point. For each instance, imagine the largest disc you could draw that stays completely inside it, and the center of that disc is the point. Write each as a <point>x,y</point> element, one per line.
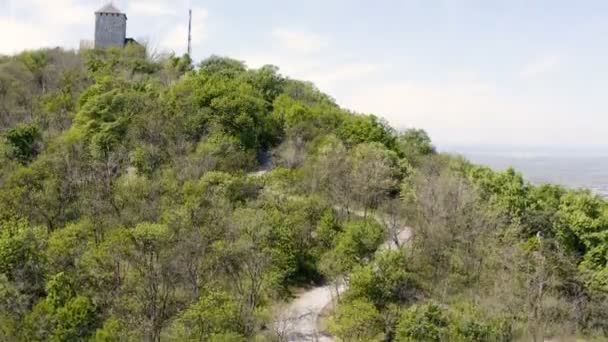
<point>24,142</point>
<point>425,322</point>
<point>35,62</point>
<point>67,246</point>
<point>414,144</point>
<point>387,281</point>
<point>374,174</point>
<point>22,259</point>
<point>154,278</point>
<point>76,321</point>
<point>358,129</point>
<point>215,313</point>
<point>357,321</point>
<point>355,245</point>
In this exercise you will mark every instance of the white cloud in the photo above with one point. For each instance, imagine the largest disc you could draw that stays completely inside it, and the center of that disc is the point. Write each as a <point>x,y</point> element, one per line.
<point>18,36</point>
<point>32,24</point>
<point>299,41</point>
<point>540,66</point>
<point>328,76</point>
<point>308,56</point>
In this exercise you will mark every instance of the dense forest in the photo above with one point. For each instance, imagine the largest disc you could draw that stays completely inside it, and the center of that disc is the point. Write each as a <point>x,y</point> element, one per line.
<point>146,198</point>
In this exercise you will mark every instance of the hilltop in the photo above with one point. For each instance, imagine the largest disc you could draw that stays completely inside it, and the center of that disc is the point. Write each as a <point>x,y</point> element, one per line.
<point>132,208</point>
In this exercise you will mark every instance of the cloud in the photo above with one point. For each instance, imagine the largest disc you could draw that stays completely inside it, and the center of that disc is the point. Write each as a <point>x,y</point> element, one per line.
<point>21,36</point>
<point>41,12</point>
<point>328,76</point>
<point>540,66</point>
<point>299,41</point>
<point>301,54</point>
<point>32,24</point>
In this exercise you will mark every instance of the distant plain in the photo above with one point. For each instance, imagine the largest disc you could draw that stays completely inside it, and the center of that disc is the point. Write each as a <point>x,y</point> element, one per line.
<point>571,167</point>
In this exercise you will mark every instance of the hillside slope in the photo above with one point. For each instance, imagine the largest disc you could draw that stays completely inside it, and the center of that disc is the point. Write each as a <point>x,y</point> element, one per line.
<point>128,212</point>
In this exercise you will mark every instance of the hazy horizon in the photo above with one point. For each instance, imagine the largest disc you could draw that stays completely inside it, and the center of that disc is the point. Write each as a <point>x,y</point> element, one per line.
<point>575,167</point>
<point>524,150</point>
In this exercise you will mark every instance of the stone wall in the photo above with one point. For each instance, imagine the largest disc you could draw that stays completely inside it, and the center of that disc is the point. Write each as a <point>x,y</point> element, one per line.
<point>110,30</point>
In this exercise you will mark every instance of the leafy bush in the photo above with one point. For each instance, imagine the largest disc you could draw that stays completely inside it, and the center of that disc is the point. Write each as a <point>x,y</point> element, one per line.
<point>357,321</point>
<point>23,142</point>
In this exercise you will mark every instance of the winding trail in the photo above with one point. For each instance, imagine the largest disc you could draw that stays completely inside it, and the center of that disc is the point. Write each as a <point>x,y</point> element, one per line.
<point>298,321</point>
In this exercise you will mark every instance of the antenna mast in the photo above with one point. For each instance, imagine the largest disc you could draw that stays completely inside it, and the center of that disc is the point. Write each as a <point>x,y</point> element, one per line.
<point>190,32</point>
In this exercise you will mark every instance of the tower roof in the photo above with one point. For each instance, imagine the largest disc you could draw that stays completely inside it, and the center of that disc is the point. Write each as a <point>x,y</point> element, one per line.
<point>109,8</point>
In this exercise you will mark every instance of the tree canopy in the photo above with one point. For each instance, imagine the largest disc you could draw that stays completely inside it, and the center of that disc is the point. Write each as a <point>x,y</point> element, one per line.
<point>148,198</point>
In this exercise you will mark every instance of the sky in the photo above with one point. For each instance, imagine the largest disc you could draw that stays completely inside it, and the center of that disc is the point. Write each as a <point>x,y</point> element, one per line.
<point>469,72</point>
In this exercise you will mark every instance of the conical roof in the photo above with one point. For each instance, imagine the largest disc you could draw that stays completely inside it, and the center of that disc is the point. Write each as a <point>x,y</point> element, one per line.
<point>109,8</point>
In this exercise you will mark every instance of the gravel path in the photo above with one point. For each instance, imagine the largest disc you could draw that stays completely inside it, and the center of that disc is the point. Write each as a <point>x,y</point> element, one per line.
<point>298,322</point>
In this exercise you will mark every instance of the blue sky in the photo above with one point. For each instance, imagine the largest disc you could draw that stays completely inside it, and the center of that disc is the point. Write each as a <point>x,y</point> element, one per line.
<point>469,72</point>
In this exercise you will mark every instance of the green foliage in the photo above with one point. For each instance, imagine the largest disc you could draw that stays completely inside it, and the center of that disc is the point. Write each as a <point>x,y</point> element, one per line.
<point>130,61</point>
<point>23,142</point>
<point>59,290</point>
<point>290,112</point>
<point>175,66</point>
<point>155,227</point>
<point>387,281</point>
<point>67,246</point>
<point>414,144</point>
<point>357,321</point>
<point>328,230</point>
<point>468,323</point>
<point>104,116</point>
<point>581,217</point>
<point>223,66</point>
<point>506,190</point>
<point>22,259</point>
<point>238,100</point>
<point>360,239</point>
<point>35,62</point>
<point>39,323</point>
<point>433,322</point>
<point>375,173</point>
<point>225,153</point>
<point>113,330</point>
<point>425,322</point>
<point>355,245</point>
<point>215,316</point>
<point>268,80</point>
<point>77,320</point>
<point>358,129</point>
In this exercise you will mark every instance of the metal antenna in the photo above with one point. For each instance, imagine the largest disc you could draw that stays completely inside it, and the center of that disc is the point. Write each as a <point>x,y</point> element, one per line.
<point>190,32</point>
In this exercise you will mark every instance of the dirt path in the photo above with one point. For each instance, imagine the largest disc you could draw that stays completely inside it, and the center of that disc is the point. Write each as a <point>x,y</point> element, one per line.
<point>298,322</point>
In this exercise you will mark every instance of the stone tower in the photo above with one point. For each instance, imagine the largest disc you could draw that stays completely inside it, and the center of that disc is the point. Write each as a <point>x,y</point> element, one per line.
<point>110,27</point>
